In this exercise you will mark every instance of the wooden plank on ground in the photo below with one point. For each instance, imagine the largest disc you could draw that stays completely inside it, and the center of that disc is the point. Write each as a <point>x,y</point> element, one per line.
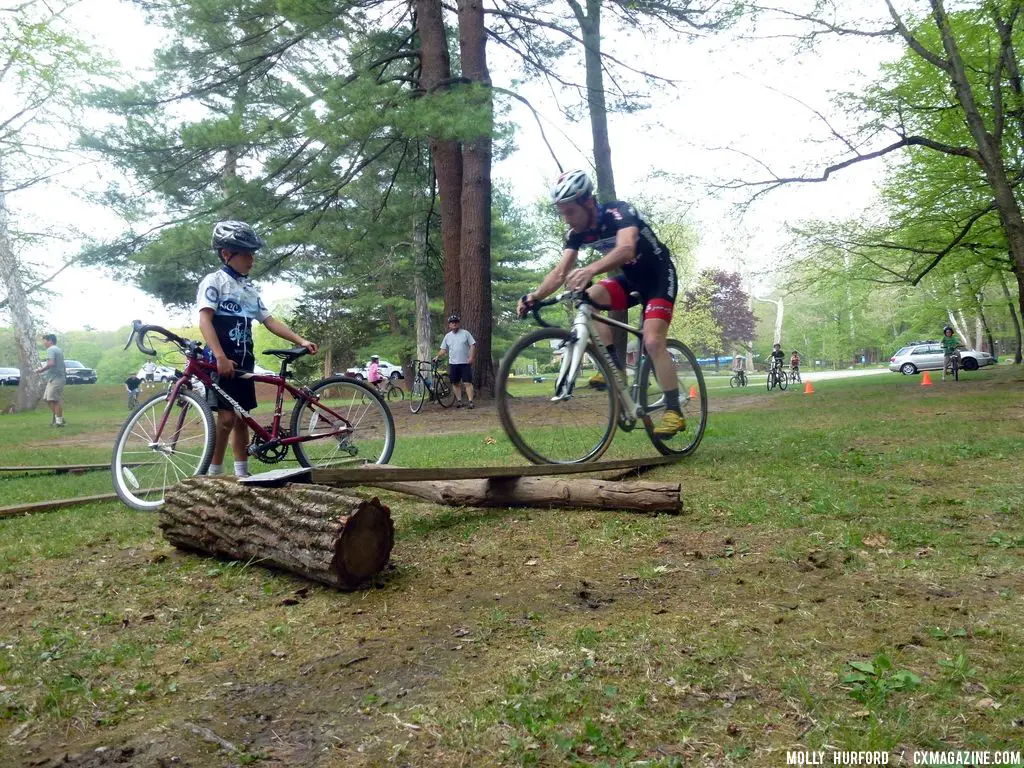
<point>58,468</point>
<point>373,473</point>
<point>43,506</point>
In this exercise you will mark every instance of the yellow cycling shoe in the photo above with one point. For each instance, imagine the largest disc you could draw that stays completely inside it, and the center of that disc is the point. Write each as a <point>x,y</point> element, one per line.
<point>671,424</point>
<point>597,380</point>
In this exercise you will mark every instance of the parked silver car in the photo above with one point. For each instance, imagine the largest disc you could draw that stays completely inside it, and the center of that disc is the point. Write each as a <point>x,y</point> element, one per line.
<point>927,356</point>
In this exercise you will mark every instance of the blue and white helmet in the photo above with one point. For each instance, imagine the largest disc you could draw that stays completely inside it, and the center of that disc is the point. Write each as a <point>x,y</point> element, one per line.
<point>570,187</point>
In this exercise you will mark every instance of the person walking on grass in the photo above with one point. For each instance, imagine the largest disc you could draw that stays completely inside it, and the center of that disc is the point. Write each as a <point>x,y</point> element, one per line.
<point>150,370</point>
<point>54,376</point>
<point>228,303</point>
<point>460,346</point>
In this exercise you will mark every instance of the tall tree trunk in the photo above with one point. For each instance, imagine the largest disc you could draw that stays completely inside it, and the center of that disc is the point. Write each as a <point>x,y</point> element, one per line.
<point>590,29</point>
<point>30,389</point>
<point>1017,357</point>
<point>424,337</point>
<point>393,327</point>
<point>989,155</point>
<point>446,155</point>
<point>476,200</point>
<point>326,345</point>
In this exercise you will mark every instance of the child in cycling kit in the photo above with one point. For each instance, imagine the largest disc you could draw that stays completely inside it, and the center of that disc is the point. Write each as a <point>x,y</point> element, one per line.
<point>228,304</point>
<point>794,361</point>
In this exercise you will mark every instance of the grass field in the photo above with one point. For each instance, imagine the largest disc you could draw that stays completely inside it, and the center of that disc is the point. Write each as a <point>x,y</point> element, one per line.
<point>848,574</point>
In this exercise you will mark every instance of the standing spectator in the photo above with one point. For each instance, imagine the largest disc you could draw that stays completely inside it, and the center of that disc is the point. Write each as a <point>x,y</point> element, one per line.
<point>54,375</point>
<point>150,370</point>
<point>460,346</point>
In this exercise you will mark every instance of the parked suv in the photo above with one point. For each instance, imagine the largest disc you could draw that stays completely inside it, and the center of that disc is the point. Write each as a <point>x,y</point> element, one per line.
<point>387,370</point>
<point>77,373</point>
<point>10,377</point>
<point>927,356</point>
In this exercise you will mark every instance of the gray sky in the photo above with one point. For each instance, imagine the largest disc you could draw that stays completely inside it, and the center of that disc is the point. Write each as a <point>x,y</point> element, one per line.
<point>732,94</point>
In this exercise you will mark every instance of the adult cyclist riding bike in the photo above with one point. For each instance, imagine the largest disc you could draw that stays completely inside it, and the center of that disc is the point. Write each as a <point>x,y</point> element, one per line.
<point>618,232</point>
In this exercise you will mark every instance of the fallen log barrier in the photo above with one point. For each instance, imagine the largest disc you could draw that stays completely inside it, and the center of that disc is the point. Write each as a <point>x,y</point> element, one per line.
<point>542,492</point>
<point>496,486</point>
<point>321,534</point>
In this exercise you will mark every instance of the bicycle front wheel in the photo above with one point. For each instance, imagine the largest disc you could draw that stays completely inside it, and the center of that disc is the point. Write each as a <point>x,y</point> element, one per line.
<point>346,421</point>
<point>160,444</point>
<point>771,381</point>
<point>783,380</point>
<point>693,400</point>
<point>734,382</point>
<point>569,427</point>
<point>418,396</point>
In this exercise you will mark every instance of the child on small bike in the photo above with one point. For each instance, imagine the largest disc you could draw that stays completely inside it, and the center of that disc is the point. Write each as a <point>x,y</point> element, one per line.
<point>739,369</point>
<point>777,355</point>
<point>950,344</point>
<point>794,362</point>
<point>228,303</point>
<point>133,383</point>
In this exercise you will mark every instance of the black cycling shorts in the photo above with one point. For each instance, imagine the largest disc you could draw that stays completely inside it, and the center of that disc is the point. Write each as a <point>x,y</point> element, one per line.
<point>657,293</point>
<point>243,391</point>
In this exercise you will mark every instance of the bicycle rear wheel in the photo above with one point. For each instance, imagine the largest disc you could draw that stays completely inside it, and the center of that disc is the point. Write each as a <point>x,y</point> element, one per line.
<point>347,420</point>
<point>693,402</point>
<point>546,429</point>
<point>148,459</point>
<point>395,392</point>
<point>444,391</point>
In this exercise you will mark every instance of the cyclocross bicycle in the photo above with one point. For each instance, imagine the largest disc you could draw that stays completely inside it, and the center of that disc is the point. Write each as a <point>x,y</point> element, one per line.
<point>171,436</point>
<point>430,383</point>
<point>566,422</point>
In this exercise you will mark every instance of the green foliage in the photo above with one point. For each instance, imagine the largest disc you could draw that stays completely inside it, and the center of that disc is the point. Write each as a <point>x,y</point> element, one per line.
<point>873,682</point>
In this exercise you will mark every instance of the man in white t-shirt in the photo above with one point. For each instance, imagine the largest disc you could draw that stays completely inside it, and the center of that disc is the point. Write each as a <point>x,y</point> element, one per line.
<point>150,370</point>
<point>460,346</point>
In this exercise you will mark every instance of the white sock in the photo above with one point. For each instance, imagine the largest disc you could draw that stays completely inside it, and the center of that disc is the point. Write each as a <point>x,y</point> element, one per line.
<point>215,469</point>
<point>242,468</point>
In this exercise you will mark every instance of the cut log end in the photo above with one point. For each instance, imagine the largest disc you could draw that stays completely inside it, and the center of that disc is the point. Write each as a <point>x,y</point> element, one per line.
<point>327,536</point>
<point>364,544</point>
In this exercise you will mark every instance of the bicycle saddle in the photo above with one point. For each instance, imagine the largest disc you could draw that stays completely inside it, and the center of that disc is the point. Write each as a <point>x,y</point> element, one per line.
<point>287,354</point>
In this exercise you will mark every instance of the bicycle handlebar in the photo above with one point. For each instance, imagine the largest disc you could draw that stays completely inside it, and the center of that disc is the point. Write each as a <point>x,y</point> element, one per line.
<point>578,297</point>
<point>138,335</point>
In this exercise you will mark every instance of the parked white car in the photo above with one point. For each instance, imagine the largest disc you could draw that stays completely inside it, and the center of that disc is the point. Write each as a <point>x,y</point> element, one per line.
<point>927,356</point>
<point>162,373</point>
<point>387,370</point>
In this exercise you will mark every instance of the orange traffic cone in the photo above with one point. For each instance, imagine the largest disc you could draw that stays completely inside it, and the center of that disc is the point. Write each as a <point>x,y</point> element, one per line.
<point>808,388</point>
<point>693,392</point>
<point>926,380</point>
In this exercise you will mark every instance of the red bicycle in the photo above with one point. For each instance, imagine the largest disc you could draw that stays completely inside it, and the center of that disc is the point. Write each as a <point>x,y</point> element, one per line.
<point>171,436</point>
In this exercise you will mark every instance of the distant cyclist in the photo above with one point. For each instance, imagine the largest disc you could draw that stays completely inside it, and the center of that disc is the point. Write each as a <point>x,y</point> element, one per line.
<point>950,344</point>
<point>794,363</point>
<point>373,375</point>
<point>739,368</point>
<point>619,233</point>
<point>777,356</point>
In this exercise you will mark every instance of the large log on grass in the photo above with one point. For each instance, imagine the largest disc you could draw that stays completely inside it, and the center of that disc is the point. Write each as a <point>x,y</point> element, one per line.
<point>321,534</point>
<point>545,492</point>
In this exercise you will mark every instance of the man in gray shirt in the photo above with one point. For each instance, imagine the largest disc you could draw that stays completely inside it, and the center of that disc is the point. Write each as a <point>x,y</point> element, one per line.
<point>460,347</point>
<point>54,376</point>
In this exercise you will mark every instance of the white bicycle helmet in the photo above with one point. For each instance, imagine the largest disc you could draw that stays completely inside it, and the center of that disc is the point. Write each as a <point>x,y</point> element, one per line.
<point>235,234</point>
<point>571,186</point>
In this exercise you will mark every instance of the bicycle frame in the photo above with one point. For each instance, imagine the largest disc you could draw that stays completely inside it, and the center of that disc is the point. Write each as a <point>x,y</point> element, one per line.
<point>202,371</point>
<point>420,365</point>
<point>584,330</point>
